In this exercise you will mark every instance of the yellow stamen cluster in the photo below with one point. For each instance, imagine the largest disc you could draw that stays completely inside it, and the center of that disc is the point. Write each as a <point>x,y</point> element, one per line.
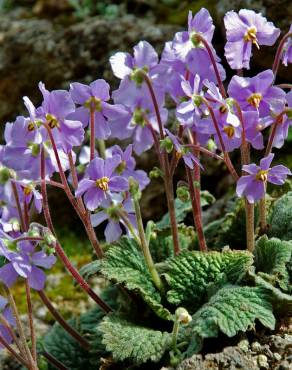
<point>255,99</point>
<point>31,126</point>
<point>223,109</point>
<point>27,190</point>
<point>262,175</point>
<point>52,121</point>
<point>229,131</point>
<point>251,36</point>
<point>102,183</point>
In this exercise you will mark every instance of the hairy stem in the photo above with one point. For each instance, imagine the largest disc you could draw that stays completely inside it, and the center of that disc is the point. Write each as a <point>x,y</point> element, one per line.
<point>31,323</point>
<point>59,318</point>
<point>53,361</point>
<point>279,53</point>
<point>92,133</point>
<point>18,357</point>
<point>145,247</point>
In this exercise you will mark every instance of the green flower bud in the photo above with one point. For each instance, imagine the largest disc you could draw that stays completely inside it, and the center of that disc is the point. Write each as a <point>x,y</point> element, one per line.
<point>183,194</point>
<point>166,144</point>
<point>5,175</point>
<point>211,145</point>
<point>134,188</point>
<point>49,238</point>
<point>155,173</point>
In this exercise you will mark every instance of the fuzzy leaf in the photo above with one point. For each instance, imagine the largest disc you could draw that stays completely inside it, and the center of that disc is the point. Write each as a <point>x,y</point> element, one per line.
<point>128,341</point>
<point>124,263</point>
<point>192,274</point>
<point>280,219</point>
<point>230,310</point>
<point>271,260</point>
<point>62,346</point>
<point>90,269</point>
<point>183,208</point>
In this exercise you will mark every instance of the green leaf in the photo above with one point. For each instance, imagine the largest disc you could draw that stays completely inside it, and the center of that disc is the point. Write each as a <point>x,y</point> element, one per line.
<point>280,219</point>
<point>128,341</point>
<point>230,310</point>
<point>67,350</point>
<point>90,269</point>
<point>192,274</point>
<point>161,244</point>
<point>124,263</point>
<point>183,208</point>
<point>271,259</point>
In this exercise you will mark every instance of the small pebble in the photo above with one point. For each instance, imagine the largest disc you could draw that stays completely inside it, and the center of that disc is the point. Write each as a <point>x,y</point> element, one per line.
<point>244,345</point>
<point>263,362</point>
<point>277,356</point>
<point>256,346</point>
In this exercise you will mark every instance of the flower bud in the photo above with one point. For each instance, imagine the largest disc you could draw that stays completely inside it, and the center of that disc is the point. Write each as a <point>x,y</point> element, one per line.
<point>155,173</point>
<point>182,316</point>
<point>134,188</point>
<point>166,144</point>
<point>183,193</point>
<point>49,238</point>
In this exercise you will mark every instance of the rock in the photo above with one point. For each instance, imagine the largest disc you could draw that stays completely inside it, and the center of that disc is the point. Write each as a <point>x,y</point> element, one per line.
<point>256,347</point>
<point>263,362</point>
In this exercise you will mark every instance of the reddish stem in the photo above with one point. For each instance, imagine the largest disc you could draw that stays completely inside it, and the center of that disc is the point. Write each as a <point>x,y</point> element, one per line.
<point>14,353</point>
<point>52,360</point>
<point>30,319</point>
<point>59,318</point>
<point>279,53</point>
<point>92,133</point>
<point>18,206</point>
<point>277,122</point>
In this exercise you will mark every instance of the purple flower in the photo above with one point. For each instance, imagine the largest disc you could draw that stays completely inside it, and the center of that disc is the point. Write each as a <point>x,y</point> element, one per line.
<point>287,50</point>
<point>56,107</point>
<point>145,58</point>
<point>243,30</point>
<point>7,313</point>
<point>113,230</point>
<point>127,166</point>
<point>93,97</point>
<point>183,152</point>
<point>133,121</point>
<point>253,186</point>
<point>193,53</point>
<point>100,181</point>
<point>25,262</point>
<point>257,93</point>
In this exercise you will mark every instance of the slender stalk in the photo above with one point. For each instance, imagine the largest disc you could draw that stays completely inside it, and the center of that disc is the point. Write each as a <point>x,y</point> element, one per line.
<point>196,196</point>
<point>14,353</point>
<point>30,319</point>
<point>278,121</point>
<point>75,180</point>
<point>53,361</point>
<point>213,61</point>
<point>125,219</point>
<point>175,334</point>
<point>59,318</point>
<point>84,217</point>
<point>92,133</point>
<point>205,151</point>
<point>101,148</point>
<point>263,215</point>
<point>145,247</point>
<point>59,250</point>
<point>285,86</point>
<point>19,325</point>
<point>196,212</point>
<point>18,206</point>
<point>279,53</point>
<point>163,158</point>
<point>13,335</point>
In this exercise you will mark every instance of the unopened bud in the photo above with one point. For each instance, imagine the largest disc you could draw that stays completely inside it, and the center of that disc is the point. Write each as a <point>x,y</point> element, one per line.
<point>211,145</point>
<point>5,175</point>
<point>183,193</point>
<point>155,173</point>
<point>182,316</point>
<point>134,188</point>
<point>49,238</point>
<point>166,144</point>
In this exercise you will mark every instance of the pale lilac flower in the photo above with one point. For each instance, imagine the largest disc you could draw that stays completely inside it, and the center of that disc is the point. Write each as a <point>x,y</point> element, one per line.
<point>25,262</point>
<point>93,97</point>
<point>194,53</point>
<point>257,93</point>
<point>183,152</point>
<point>57,105</point>
<point>100,181</point>
<point>245,29</point>
<point>287,52</point>
<point>127,166</point>
<point>113,230</point>
<point>8,315</point>
<point>253,185</point>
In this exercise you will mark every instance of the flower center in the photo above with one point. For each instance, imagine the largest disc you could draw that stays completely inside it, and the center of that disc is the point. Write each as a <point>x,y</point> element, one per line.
<point>52,121</point>
<point>93,103</point>
<point>255,99</point>
<point>195,39</point>
<point>27,190</point>
<point>102,183</point>
<point>223,109</point>
<point>251,36</point>
<point>229,131</point>
<point>262,175</point>
<point>30,126</point>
